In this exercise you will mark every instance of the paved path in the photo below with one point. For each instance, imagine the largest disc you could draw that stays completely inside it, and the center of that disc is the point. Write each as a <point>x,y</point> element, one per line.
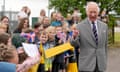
<point>113,60</point>
<point>113,64</point>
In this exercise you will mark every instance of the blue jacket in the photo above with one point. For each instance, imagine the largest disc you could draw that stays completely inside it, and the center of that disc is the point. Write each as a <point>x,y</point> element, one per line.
<point>7,67</point>
<point>56,23</point>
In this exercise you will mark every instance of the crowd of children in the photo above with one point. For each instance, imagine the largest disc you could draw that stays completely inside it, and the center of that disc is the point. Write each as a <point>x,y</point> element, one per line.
<point>46,33</point>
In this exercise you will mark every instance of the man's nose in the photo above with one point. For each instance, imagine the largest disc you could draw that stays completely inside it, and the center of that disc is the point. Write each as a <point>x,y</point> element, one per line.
<point>92,14</point>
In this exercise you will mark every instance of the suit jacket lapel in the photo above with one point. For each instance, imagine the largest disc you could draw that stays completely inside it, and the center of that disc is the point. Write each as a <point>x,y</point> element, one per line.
<point>90,29</point>
<point>99,31</point>
<point>90,32</point>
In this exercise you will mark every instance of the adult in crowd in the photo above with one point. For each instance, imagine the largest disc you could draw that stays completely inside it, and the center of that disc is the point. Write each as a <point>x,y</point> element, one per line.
<point>42,15</point>
<point>58,21</point>
<point>75,19</point>
<point>69,18</point>
<point>5,20</point>
<point>38,28</point>
<point>3,28</point>
<point>23,25</point>
<point>45,22</point>
<point>53,16</point>
<point>25,12</point>
<point>92,41</point>
<point>104,16</point>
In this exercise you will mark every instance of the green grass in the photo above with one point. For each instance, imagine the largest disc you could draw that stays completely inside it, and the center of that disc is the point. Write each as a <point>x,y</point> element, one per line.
<point>117,41</point>
<point>117,37</point>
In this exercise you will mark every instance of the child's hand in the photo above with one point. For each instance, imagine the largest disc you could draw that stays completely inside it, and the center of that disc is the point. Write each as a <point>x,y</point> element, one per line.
<point>75,33</point>
<point>60,41</point>
<point>78,50</point>
<point>20,50</point>
<point>62,37</point>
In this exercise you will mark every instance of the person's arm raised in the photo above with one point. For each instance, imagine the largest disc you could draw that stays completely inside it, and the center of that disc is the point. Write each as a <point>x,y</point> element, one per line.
<point>75,38</point>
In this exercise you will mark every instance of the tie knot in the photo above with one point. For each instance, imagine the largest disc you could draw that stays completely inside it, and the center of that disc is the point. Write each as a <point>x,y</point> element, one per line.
<point>93,22</point>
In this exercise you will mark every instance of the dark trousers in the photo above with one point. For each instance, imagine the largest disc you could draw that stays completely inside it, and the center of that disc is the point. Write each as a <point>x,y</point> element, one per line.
<point>41,68</point>
<point>77,59</point>
<point>57,66</point>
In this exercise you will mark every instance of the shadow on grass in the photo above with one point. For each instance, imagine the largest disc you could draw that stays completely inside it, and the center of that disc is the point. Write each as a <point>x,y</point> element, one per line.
<point>115,45</point>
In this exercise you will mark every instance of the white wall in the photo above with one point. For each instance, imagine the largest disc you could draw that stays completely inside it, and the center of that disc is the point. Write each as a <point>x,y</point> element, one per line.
<point>34,5</point>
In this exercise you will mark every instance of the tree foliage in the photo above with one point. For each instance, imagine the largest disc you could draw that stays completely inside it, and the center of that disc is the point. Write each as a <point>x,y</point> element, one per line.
<point>110,5</point>
<point>67,6</point>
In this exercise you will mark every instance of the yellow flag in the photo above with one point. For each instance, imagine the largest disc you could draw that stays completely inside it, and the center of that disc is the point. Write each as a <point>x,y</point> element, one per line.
<point>58,49</point>
<point>42,52</point>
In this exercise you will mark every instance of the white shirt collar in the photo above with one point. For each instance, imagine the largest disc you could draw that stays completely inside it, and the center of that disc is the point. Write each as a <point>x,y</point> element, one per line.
<point>91,21</point>
<point>92,24</point>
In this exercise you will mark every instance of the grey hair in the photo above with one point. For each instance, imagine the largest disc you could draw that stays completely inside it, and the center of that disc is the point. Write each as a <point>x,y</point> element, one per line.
<point>93,3</point>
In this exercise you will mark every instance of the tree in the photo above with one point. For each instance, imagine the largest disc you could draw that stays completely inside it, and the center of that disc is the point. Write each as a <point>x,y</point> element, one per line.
<point>67,6</point>
<point>110,5</point>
